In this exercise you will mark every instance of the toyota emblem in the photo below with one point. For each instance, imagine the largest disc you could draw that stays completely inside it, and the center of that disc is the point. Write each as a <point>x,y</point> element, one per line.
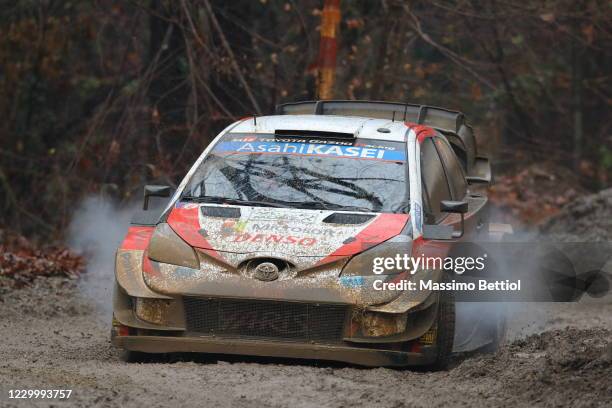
<point>266,271</point>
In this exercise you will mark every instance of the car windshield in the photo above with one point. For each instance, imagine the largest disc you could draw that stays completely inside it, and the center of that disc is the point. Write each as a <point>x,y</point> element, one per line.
<point>356,175</point>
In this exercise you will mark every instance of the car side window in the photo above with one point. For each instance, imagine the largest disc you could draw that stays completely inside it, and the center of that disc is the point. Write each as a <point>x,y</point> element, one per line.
<point>434,178</point>
<point>454,171</point>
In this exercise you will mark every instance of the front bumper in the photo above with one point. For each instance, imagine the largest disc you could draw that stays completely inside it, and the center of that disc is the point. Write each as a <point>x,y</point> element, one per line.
<point>266,348</point>
<point>162,322</point>
<point>327,339</point>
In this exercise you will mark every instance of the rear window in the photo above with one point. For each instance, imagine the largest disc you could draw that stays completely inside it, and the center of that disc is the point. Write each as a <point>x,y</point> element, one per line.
<point>352,174</point>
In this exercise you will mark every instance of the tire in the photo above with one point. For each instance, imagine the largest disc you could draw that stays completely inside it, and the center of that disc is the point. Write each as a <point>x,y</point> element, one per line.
<point>445,330</point>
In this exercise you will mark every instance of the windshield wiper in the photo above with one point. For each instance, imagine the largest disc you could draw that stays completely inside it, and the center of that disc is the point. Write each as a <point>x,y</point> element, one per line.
<point>232,201</point>
<point>318,205</point>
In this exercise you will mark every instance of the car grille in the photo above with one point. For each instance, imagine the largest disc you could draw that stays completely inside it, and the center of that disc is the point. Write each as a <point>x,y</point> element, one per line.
<point>287,321</point>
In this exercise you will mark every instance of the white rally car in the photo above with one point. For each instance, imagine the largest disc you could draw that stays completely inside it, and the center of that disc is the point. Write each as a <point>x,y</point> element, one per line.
<point>269,243</point>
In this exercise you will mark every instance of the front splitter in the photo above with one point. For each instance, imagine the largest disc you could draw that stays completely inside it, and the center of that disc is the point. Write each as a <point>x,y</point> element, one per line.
<point>215,345</point>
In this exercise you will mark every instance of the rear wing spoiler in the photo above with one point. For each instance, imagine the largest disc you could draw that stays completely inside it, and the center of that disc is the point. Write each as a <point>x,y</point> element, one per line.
<point>451,123</point>
<point>441,118</point>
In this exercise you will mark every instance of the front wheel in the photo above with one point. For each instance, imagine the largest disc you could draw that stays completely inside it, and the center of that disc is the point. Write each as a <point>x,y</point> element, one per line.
<point>445,329</point>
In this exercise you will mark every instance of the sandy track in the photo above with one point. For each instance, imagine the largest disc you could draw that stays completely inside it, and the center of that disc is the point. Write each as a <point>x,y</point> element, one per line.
<point>54,338</point>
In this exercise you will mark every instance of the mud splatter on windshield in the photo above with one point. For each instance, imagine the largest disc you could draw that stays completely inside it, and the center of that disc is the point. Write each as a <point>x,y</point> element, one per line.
<point>305,173</point>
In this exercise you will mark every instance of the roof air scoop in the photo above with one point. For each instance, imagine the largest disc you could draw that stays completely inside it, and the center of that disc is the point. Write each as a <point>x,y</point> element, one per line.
<point>313,134</point>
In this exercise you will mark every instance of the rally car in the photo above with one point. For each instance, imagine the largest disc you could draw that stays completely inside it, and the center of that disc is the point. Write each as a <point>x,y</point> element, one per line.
<point>267,246</point>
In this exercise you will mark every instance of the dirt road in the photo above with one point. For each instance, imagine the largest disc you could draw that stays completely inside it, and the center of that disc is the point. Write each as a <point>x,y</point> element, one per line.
<point>53,337</point>
<point>56,335</point>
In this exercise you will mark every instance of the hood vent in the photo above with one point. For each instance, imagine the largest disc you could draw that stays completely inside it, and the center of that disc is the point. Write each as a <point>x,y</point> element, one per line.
<point>347,218</point>
<point>221,212</point>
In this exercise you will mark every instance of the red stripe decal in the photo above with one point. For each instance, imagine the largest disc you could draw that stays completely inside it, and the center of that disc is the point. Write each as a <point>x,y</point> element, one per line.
<point>185,222</point>
<point>137,238</point>
<point>429,248</point>
<point>421,131</point>
<point>148,267</point>
<point>384,227</point>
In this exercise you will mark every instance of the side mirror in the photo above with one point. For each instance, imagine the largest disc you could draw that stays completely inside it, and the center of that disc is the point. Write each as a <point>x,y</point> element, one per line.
<point>456,207</point>
<point>444,232</point>
<point>154,191</point>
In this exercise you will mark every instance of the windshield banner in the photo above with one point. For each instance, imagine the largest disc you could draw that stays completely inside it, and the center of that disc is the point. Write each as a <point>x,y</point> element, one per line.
<point>356,151</point>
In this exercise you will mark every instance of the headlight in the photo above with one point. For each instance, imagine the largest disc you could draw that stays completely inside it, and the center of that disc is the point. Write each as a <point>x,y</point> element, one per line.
<point>167,247</point>
<point>372,260</point>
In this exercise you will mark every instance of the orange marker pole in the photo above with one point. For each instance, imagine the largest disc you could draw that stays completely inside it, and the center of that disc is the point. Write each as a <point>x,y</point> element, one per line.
<point>328,48</point>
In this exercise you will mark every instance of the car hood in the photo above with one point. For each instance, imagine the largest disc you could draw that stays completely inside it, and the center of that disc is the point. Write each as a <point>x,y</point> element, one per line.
<point>290,232</point>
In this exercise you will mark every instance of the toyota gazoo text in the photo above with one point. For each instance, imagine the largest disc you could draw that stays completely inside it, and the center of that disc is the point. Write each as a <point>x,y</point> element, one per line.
<point>266,247</point>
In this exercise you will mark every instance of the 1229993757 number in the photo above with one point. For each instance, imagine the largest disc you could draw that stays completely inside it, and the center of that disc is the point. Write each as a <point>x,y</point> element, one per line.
<point>42,394</point>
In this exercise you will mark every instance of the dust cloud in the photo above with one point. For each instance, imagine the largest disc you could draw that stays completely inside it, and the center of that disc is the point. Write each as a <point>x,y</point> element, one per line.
<point>96,230</point>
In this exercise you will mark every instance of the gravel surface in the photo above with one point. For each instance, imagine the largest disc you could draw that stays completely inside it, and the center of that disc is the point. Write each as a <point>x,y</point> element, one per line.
<point>53,337</point>
<point>55,334</point>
